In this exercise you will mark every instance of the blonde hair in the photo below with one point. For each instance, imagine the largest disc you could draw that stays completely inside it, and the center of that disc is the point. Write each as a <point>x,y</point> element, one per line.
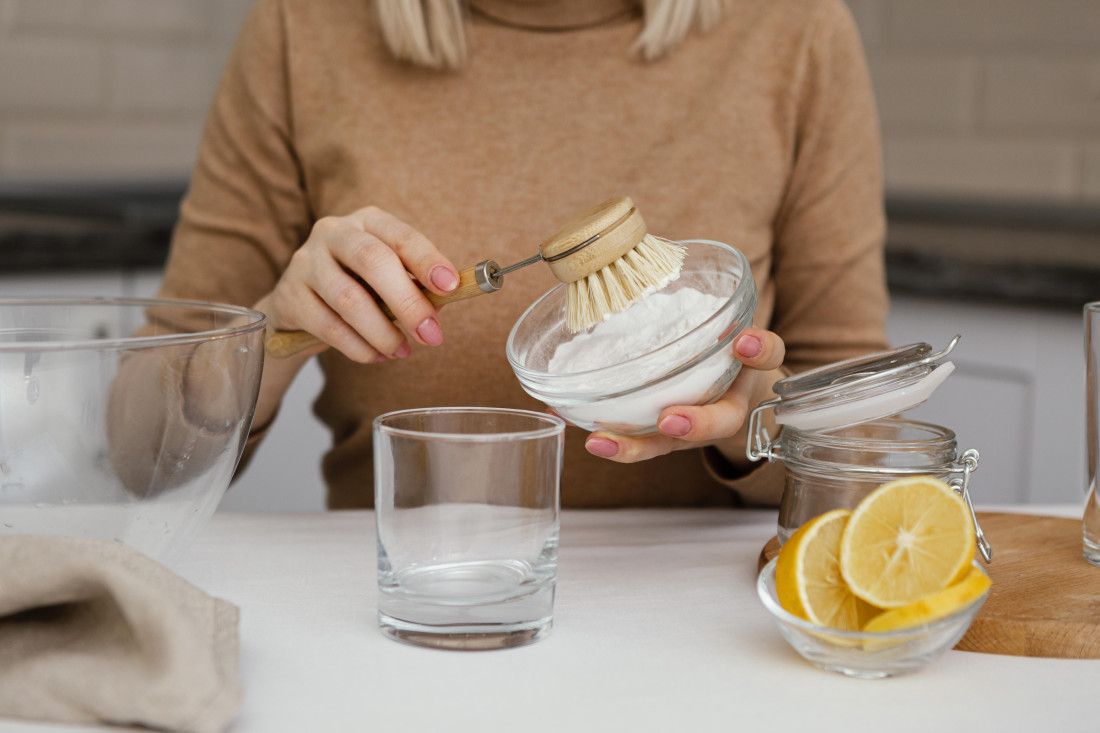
<point>432,33</point>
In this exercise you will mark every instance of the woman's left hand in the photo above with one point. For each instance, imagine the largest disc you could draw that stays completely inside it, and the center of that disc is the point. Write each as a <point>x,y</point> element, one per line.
<point>719,423</point>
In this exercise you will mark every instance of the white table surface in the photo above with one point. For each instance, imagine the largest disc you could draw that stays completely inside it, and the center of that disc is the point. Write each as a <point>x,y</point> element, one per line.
<point>657,628</point>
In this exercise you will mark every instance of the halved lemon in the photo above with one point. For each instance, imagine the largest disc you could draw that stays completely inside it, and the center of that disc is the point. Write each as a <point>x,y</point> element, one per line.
<point>934,607</point>
<point>808,581</point>
<point>907,539</point>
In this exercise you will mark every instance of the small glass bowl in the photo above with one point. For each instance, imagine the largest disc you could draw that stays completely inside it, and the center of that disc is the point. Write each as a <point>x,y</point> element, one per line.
<point>867,655</point>
<point>627,398</point>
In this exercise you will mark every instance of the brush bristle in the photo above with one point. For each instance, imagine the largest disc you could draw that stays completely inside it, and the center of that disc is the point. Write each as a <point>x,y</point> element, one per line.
<point>613,289</point>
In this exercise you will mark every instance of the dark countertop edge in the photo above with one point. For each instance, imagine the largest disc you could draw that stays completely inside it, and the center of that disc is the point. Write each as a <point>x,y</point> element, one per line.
<point>117,199</point>
<point>128,225</point>
<point>1050,287</point>
<point>1000,214</point>
<point>143,200</point>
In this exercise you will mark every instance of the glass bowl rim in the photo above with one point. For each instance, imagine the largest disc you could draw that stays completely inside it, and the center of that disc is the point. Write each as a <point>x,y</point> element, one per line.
<point>556,425</point>
<point>788,618</point>
<point>744,292</point>
<point>258,322</point>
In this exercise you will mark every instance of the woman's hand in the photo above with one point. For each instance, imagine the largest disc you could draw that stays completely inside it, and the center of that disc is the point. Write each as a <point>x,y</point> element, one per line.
<point>322,290</point>
<point>721,423</point>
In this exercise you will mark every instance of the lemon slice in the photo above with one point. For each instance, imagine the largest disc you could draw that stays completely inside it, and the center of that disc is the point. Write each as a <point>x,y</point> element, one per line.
<point>907,539</point>
<point>934,607</point>
<point>808,581</point>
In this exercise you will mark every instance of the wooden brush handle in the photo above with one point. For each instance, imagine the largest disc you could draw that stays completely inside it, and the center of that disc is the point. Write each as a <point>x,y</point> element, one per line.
<point>282,344</point>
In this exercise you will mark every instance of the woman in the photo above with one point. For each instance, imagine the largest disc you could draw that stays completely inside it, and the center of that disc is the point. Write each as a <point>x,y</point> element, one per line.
<point>355,141</point>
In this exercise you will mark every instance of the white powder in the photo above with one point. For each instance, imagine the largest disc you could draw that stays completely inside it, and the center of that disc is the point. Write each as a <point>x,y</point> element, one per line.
<point>652,322</point>
<point>655,321</point>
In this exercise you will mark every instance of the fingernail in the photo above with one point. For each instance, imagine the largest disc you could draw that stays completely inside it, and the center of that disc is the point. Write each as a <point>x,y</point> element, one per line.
<point>601,447</point>
<point>430,332</point>
<point>675,425</point>
<point>403,352</point>
<point>749,347</point>
<point>381,358</point>
<point>443,278</point>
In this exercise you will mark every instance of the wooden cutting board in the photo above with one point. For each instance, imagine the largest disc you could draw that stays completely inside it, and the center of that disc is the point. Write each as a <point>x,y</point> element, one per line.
<point>1045,599</point>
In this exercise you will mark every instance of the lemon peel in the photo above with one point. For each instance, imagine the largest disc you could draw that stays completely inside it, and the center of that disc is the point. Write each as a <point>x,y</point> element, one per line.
<point>932,608</point>
<point>808,581</point>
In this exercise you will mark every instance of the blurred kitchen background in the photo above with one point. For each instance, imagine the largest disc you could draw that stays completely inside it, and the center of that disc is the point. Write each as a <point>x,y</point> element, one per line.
<point>991,117</point>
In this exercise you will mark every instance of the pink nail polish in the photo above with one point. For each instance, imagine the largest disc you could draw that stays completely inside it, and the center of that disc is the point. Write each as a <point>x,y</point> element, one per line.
<point>443,279</point>
<point>750,347</point>
<point>675,425</point>
<point>601,447</point>
<point>430,332</point>
<point>403,352</point>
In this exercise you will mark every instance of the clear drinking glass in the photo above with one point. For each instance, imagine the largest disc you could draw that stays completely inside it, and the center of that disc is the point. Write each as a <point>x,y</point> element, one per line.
<point>1092,408</point>
<point>467,507</point>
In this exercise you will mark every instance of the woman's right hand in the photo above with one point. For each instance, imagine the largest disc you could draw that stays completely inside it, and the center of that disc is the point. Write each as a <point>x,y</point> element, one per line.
<point>322,289</point>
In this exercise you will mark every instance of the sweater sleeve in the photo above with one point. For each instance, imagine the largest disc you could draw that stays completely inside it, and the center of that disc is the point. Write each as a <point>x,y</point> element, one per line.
<point>246,210</point>
<point>831,298</point>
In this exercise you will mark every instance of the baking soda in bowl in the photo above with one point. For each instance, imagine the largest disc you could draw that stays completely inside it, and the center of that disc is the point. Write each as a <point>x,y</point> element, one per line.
<point>649,324</point>
<point>659,320</point>
<point>672,347</point>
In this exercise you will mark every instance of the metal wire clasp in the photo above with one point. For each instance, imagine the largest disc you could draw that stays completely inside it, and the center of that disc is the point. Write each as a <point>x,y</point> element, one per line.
<point>494,272</point>
<point>759,443</point>
<point>970,464</point>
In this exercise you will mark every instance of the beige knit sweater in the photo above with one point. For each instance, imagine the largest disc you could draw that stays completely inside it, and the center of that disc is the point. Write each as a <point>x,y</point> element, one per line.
<point>761,134</point>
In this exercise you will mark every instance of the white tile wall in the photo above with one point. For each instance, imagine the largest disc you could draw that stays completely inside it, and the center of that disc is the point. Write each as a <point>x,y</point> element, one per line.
<point>1043,95</point>
<point>927,93</point>
<point>993,98</point>
<point>1017,168</point>
<point>51,16</point>
<point>161,78</point>
<point>99,147</point>
<point>1065,26</point>
<point>988,98</point>
<point>51,77</point>
<point>163,18</point>
<point>108,88</point>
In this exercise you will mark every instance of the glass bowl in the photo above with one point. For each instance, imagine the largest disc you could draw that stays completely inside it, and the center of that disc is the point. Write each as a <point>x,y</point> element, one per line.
<point>867,654</point>
<point>123,419</point>
<point>627,397</point>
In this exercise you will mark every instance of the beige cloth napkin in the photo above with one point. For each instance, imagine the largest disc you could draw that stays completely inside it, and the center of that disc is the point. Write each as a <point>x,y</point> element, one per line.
<point>93,632</point>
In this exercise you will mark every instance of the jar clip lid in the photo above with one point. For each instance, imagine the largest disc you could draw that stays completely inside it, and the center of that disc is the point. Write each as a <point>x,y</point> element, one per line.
<point>852,391</point>
<point>861,389</point>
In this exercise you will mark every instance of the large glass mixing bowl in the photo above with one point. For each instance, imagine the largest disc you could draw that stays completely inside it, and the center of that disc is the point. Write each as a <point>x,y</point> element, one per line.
<point>123,419</point>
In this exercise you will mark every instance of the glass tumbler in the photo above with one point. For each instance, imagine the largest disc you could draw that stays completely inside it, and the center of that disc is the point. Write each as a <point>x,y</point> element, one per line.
<point>467,504</point>
<point>1092,431</point>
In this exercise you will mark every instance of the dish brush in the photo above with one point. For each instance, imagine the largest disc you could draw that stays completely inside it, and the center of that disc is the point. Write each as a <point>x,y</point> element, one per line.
<point>605,256</point>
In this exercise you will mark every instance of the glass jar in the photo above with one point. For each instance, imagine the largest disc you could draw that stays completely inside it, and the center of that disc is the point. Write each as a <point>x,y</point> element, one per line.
<point>842,435</point>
